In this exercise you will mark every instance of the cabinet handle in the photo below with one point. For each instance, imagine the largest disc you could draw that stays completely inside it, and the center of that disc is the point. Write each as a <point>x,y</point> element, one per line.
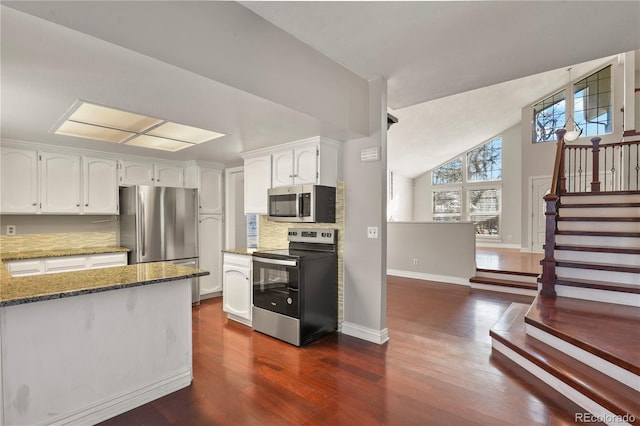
<point>290,176</point>
<point>77,205</point>
<point>86,205</point>
<point>34,204</point>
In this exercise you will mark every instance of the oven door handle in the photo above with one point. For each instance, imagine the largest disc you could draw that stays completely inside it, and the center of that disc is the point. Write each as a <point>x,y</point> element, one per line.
<point>276,261</point>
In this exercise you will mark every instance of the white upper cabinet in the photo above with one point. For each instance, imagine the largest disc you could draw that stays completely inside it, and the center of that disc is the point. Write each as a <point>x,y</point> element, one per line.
<point>165,175</point>
<point>134,173</point>
<point>306,163</point>
<point>59,183</point>
<point>100,186</point>
<point>211,191</point>
<point>139,173</point>
<point>19,175</point>
<point>257,180</point>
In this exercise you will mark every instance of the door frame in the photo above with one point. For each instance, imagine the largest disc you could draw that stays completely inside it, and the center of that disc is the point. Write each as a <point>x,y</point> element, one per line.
<point>231,215</point>
<point>530,212</point>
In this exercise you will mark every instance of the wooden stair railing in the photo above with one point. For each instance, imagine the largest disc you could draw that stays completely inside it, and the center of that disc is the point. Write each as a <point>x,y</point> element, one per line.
<point>620,172</point>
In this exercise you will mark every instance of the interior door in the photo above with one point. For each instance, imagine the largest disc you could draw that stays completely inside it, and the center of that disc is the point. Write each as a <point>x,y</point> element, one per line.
<point>539,188</point>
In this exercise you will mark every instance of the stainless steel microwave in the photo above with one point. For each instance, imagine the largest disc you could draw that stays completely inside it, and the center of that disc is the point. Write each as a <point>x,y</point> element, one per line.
<point>303,203</point>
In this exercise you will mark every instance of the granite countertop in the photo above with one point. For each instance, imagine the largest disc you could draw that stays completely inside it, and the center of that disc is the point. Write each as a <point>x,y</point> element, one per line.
<point>35,288</point>
<point>36,254</point>
<point>244,251</point>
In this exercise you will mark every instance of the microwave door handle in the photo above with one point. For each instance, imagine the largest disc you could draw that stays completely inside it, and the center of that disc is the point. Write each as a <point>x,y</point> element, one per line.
<point>299,208</point>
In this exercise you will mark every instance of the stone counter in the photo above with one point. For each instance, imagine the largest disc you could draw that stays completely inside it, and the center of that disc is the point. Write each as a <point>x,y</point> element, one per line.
<point>20,290</point>
<point>243,251</point>
<point>37,254</point>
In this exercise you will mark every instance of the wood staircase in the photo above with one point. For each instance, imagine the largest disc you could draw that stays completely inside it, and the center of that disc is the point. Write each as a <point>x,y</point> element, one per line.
<point>513,282</point>
<point>582,333</point>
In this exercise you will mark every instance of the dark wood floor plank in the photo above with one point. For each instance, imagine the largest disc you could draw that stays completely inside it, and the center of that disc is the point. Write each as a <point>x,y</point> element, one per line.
<point>437,369</point>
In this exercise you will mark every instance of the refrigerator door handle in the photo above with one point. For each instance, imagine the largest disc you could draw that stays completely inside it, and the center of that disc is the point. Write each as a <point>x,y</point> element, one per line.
<point>141,218</point>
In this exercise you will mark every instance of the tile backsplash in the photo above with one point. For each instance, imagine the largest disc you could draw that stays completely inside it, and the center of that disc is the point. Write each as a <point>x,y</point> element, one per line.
<point>67,240</point>
<point>273,235</point>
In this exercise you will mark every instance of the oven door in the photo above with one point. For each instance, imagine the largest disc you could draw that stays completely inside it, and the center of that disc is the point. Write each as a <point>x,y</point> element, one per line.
<point>276,285</point>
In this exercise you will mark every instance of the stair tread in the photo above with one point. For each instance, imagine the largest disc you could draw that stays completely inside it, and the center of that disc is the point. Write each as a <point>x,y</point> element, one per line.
<point>601,285</point>
<point>598,249</point>
<point>600,233</point>
<point>504,283</point>
<point>606,391</point>
<point>598,205</point>
<point>607,330</point>
<point>505,272</point>
<point>598,266</point>
<point>598,219</point>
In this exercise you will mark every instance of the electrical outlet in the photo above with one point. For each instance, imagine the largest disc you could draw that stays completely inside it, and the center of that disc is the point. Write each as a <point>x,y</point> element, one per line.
<point>11,230</point>
<point>415,261</point>
<point>372,232</point>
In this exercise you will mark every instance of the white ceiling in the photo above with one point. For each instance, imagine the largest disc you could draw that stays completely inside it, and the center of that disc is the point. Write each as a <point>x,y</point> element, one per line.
<point>428,51</point>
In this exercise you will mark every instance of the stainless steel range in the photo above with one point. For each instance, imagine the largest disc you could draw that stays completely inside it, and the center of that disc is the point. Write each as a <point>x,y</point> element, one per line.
<point>295,290</point>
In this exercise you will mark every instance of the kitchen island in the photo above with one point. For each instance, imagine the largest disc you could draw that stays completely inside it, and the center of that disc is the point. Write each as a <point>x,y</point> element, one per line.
<point>81,347</point>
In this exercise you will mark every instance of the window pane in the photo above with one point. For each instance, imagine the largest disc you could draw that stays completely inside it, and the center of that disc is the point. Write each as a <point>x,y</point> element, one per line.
<point>484,210</point>
<point>448,173</point>
<point>592,103</point>
<point>485,162</point>
<point>446,201</point>
<point>548,116</point>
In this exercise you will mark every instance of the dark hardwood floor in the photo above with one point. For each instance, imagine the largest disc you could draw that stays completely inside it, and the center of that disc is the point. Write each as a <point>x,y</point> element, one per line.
<point>437,369</point>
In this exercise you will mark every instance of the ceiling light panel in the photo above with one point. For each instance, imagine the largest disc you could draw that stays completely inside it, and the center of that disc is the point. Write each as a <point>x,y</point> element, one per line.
<point>71,128</point>
<point>184,133</point>
<point>154,142</point>
<point>109,117</point>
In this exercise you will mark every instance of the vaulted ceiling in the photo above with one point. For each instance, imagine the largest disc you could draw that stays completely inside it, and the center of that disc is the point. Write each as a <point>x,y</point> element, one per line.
<point>458,72</point>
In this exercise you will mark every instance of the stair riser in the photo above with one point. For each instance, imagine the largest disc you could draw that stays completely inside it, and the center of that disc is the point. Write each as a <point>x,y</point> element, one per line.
<point>599,226</point>
<point>598,257</point>
<point>569,392</point>
<point>615,372</point>
<point>600,212</point>
<point>512,277</point>
<point>585,240</point>
<point>612,277</point>
<point>596,295</point>
<point>600,199</point>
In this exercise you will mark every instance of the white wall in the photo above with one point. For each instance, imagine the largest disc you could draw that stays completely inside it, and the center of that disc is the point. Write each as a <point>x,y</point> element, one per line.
<point>365,259</point>
<point>439,251</point>
<point>399,198</point>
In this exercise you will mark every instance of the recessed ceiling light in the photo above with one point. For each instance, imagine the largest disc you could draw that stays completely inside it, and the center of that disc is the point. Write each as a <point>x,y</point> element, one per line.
<point>183,133</point>
<point>98,122</point>
<point>71,128</point>
<point>114,118</point>
<point>155,142</point>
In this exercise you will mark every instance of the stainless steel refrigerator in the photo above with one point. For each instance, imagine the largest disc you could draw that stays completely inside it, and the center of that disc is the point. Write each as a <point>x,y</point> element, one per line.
<point>160,224</point>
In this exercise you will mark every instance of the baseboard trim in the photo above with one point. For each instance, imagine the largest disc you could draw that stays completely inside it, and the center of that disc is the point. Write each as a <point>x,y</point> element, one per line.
<point>364,333</point>
<point>428,277</point>
<point>125,401</point>
<point>239,319</point>
<point>496,245</point>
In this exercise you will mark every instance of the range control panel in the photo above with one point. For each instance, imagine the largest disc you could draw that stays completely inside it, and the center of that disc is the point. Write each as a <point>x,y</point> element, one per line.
<point>312,235</point>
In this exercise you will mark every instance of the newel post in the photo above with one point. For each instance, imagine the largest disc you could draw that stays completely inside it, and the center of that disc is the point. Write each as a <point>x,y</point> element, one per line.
<point>595,173</point>
<point>549,261</point>
<point>560,157</point>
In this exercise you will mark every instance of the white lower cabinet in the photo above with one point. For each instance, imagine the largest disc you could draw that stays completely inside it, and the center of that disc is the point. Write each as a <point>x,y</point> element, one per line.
<point>52,265</point>
<point>210,253</point>
<point>237,298</point>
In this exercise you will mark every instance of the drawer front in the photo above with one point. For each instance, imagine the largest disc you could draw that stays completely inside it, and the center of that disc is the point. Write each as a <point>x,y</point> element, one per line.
<point>65,264</point>
<point>23,268</point>
<point>237,260</point>
<point>106,260</point>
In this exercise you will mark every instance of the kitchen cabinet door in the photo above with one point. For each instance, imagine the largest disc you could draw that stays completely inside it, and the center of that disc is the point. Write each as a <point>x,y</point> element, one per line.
<point>282,172</point>
<point>100,186</point>
<point>59,183</point>
<point>210,253</point>
<point>172,176</point>
<point>211,192</point>
<point>133,173</point>
<point>236,299</point>
<point>257,181</point>
<point>305,165</point>
<point>19,174</point>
